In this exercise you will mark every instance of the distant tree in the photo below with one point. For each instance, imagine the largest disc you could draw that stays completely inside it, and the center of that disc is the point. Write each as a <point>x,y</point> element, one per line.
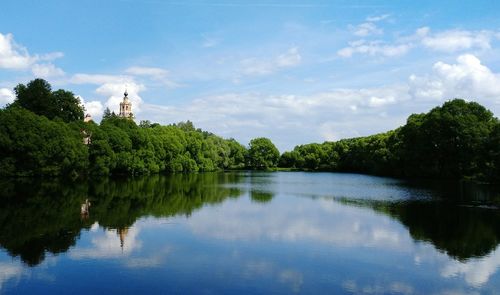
<point>67,106</point>
<point>145,124</point>
<point>447,142</point>
<point>186,126</point>
<point>37,96</point>
<point>290,159</point>
<point>107,113</point>
<point>32,145</point>
<point>262,154</point>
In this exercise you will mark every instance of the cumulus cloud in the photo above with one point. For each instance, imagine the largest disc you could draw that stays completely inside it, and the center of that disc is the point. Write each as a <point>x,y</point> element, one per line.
<point>112,88</point>
<point>367,29</point>
<point>467,78</point>
<point>94,108</point>
<point>6,96</point>
<point>445,41</point>
<point>373,48</point>
<point>114,93</point>
<point>331,115</point>
<point>13,55</point>
<point>455,40</point>
<point>16,57</point>
<point>47,70</point>
<point>254,66</point>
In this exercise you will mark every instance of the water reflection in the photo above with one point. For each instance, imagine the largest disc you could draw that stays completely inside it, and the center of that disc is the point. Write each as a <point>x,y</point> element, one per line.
<point>42,217</point>
<point>254,232</point>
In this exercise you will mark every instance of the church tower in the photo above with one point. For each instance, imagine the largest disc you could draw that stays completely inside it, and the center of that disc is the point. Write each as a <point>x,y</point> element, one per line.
<point>125,107</point>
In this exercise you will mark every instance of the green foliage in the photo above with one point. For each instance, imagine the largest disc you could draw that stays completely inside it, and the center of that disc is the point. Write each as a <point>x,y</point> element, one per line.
<point>262,154</point>
<point>455,141</point>
<point>449,141</point>
<point>38,97</point>
<point>42,133</point>
<point>33,145</point>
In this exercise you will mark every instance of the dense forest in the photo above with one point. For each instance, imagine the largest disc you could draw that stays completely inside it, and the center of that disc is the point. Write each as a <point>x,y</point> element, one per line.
<point>458,140</point>
<point>42,133</point>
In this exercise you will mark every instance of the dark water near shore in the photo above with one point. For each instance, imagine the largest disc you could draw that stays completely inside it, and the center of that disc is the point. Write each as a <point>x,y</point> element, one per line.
<point>240,233</point>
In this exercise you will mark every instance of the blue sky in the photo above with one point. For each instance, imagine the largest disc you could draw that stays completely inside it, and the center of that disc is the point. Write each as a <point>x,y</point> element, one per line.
<point>293,71</point>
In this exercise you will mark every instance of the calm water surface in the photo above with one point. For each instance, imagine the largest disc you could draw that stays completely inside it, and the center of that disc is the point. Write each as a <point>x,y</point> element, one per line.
<point>240,233</point>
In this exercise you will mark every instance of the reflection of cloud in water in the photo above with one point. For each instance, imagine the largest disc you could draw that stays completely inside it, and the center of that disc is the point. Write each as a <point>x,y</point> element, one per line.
<point>107,244</point>
<point>267,269</point>
<point>155,260</point>
<point>476,271</point>
<point>302,219</point>
<point>292,277</point>
<point>391,288</point>
<point>9,271</point>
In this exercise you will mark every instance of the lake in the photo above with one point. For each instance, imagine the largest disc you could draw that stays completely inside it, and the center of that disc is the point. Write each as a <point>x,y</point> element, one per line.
<point>249,232</point>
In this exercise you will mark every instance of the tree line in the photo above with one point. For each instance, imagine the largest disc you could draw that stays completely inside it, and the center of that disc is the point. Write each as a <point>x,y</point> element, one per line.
<point>458,140</point>
<point>42,133</point>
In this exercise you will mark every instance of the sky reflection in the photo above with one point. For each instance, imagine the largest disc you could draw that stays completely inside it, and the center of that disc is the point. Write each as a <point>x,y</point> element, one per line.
<point>266,237</point>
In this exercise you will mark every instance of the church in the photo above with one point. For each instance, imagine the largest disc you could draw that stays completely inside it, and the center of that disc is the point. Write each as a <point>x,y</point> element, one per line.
<point>126,107</point>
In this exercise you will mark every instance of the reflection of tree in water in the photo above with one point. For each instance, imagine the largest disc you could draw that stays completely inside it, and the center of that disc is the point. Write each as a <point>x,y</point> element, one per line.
<point>261,196</point>
<point>461,231</point>
<point>46,217</point>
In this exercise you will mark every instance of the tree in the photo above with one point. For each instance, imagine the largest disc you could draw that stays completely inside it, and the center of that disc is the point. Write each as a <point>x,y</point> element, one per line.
<point>37,96</point>
<point>67,106</point>
<point>262,154</point>
<point>447,142</point>
<point>32,145</point>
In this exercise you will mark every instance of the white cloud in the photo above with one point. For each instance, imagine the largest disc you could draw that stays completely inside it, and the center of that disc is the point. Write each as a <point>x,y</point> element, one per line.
<point>107,244</point>
<point>392,288</point>
<point>373,48</point>
<point>9,271</point>
<point>157,74</point>
<point>12,55</point>
<point>112,87</point>
<point>476,271</point>
<point>16,57</point>
<point>446,41</point>
<point>377,18</point>
<point>46,70</point>
<point>468,78</point>
<point>94,108</point>
<point>290,58</point>
<point>367,29</point>
<point>455,40</point>
<point>285,118</point>
<point>147,71</point>
<point>253,66</point>
<point>339,113</point>
<point>6,96</point>
<point>114,93</point>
